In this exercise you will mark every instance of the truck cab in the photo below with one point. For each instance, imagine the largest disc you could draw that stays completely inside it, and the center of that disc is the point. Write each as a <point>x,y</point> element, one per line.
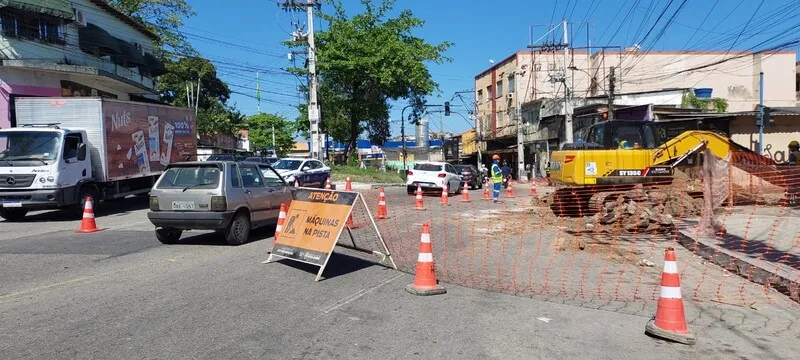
<point>42,167</point>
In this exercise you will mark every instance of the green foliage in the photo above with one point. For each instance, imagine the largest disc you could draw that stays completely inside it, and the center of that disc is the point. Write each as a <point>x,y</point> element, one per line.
<point>261,126</point>
<point>370,176</point>
<point>162,17</point>
<point>365,61</point>
<point>689,100</point>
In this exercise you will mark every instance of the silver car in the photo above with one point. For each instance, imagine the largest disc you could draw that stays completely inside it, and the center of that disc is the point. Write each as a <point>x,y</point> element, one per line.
<point>229,197</point>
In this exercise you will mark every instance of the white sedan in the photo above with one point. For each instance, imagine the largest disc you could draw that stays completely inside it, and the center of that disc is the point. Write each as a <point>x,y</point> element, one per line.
<point>307,172</point>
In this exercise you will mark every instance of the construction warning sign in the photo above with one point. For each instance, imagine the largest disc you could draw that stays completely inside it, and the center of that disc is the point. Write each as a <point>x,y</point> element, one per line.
<point>313,225</point>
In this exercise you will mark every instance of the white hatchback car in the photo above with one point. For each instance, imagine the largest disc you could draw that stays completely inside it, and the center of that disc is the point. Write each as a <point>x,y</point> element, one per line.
<point>432,176</point>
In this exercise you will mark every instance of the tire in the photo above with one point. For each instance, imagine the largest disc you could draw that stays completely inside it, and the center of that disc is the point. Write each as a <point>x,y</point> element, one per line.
<point>168,235</point>
<point>77,210</point>
<point>239,230</point>
<point>13,215</point>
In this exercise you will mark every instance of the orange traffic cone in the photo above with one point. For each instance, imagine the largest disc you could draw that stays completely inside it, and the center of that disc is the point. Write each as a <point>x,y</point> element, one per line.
<point>425,278</point>
<point>465,193</point>
<point>418,205</point>
<point>88,224</point>
<point>328,184</point>
<point>670,321</point>
<point>510,190</point>
<point>281,219</point>
<point>382,211</point>
<point>486,195</point>
<point>347,185</point>
<point>533,189</point>
<point>444,199</point>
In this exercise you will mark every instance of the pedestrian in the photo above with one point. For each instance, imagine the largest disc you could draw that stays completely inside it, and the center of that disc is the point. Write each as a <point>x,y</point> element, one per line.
<point>506,170</point>
<point>497,178</point>
<point>794,152</point>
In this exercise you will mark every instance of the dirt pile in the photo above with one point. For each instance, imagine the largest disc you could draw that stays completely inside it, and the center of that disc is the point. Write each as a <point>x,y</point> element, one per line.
<point>644,211</point>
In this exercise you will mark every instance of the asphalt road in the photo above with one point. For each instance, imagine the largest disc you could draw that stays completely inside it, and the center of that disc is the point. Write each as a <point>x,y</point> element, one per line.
<point>120,294</point>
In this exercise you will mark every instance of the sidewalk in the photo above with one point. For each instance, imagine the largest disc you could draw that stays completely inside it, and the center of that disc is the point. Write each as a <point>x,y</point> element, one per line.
<point>339,185</point>
<point>762,244</point>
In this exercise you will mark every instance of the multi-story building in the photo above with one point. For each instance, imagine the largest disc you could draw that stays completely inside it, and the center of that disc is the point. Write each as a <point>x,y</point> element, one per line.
<point>73,48</point>
<point>534,82</point>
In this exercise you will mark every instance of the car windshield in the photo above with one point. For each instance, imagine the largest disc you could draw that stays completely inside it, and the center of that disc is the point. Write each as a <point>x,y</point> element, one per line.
<point>195,177</point>
<point>270,176</point>
<point>427,167</point>
<point>253,159</point>
<point>29,145</point>
<point>463,168</point>
<point>287,165</point>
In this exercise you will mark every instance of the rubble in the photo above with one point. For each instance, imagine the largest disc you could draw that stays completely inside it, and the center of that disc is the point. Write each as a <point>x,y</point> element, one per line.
<point>644,211</point>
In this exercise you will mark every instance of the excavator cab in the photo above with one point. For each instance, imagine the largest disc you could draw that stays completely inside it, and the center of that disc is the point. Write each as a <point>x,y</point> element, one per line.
<point>619,134</point>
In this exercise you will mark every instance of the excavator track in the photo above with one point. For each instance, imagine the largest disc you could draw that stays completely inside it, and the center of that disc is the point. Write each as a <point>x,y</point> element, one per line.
<point>584,201</point>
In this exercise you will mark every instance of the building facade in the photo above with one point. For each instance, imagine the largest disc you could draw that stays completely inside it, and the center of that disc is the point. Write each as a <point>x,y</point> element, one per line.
<point>73,48</point>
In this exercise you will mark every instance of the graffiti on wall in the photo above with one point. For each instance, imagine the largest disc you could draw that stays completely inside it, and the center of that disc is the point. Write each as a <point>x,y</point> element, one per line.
<point>771,152</point>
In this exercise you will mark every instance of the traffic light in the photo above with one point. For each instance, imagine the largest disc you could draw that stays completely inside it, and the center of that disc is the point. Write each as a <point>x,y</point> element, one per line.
<point>764,117</point>
<point>446,108</point>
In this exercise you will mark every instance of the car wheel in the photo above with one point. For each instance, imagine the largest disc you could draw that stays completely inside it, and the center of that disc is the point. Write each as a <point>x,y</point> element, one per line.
<point>168,235</point>
<point>13,214</point>
<point>239,230</point>
<point>77,210</point>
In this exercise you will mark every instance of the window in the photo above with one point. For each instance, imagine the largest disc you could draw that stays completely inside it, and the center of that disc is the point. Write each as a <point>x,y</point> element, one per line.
<point>625,136</point>
<point>32,26</point>
<point>270,176</point>
<point>251,177</point>
<point>511,84</point>
<point>235,182</point>
<point>480,95</point>
<point>499,120</point>
<point>449,168</point>
<point>71,142</point>
<point>195,177</point>
<point>499,88</point>
<point>489,94</point>
<point>427,167</point>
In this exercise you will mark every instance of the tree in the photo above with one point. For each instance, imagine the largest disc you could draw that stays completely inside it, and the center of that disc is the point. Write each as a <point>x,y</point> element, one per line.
<point>366,60</point>
<point>164,18</point>
<point>261,126</point>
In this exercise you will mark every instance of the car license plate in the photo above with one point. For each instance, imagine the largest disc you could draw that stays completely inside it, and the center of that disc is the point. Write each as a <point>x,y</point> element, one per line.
<point>12,204</point>
<point>182,205</point>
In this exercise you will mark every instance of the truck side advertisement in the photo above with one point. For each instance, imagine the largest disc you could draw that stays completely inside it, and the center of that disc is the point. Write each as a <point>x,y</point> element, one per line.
<point>144,139</point>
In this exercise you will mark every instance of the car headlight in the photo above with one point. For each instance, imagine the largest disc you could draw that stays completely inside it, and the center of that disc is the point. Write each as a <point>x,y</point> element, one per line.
<point>42,180</point>
<point>51,179</point>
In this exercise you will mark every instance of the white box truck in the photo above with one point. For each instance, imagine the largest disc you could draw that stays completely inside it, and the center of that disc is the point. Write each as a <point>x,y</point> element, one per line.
<point>66,148</point>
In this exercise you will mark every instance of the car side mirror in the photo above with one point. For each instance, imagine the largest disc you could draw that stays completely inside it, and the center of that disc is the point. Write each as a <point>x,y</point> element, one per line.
<point>81,152</point>
<point>305,168</point>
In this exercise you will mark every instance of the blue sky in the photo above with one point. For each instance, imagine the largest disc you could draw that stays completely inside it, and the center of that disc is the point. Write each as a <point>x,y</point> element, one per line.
<point>243,36</point>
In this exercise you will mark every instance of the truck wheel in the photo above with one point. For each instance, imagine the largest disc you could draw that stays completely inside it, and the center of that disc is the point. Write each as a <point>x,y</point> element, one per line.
<point>77,210</point>
<point>239,230</point>
<point>13,214</point>
<point>168,235</point>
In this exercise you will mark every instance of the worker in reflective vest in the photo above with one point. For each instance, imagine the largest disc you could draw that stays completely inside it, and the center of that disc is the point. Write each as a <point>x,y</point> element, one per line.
<point>497,177</point>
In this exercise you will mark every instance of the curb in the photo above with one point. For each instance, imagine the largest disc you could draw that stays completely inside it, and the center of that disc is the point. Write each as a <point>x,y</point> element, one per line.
<point>378,186</point>
<point>746,270</point>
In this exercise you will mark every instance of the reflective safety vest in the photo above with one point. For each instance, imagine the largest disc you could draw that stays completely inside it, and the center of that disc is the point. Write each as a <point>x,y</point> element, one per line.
<point>793,157</point>
<point>497,175</point>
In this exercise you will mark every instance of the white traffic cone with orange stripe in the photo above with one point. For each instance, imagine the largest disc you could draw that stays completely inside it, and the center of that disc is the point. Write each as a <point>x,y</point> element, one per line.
<point>328,184</point>
<point>281,219</point>
<point>383,213</point>
<point>348,186</point>
<point>486,195</point>
<point>465,193</point>
<point>88,225</point>
<point>425,282</point>
<point>418,204</point>
<point>510,190</point>
<point>533,188</point>
<point>444,200</point>
<point>670,320</point>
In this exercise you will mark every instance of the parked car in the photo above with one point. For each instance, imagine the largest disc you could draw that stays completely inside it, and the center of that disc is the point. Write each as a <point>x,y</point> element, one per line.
<point>307,172</point>
<point>261,159</point>
<point>229,197</point>
<point>432,176</point>
<point>471,175</point>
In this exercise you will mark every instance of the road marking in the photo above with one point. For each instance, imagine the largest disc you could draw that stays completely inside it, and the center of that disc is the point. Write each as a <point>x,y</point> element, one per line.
<point>358,295</point>
<point>544,319</point>
<point>10,296</point>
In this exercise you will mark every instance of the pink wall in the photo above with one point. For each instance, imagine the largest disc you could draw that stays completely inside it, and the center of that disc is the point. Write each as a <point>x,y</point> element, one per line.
<point>6,90</point>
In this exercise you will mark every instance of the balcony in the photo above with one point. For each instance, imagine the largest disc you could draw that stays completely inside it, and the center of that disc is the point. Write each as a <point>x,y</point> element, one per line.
<point>92,66</point>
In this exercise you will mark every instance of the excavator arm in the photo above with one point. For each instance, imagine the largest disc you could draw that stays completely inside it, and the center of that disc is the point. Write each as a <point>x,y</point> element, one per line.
<point>690,142</point>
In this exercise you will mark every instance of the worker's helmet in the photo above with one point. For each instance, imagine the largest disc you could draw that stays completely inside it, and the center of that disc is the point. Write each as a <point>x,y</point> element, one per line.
<point>794,144</point>
<point>495,157</point>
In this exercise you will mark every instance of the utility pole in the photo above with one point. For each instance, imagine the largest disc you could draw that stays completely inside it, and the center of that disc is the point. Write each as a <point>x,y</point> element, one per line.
<point>274,149</point>
<point>197,100</point>
<point>611,83</point>
<point>760,112</point>
<point>258,94</point>
<point>522,175</point>
<point>313,106</point>
<point>567,106</point>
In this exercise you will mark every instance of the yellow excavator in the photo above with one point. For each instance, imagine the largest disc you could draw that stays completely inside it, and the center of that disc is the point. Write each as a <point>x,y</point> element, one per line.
<point>615,155</point>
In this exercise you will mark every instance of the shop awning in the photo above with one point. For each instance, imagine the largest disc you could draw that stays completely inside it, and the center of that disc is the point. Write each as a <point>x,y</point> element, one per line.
<point>57,8</point>
<point>92,37</point>
<point>153,65</point>
<point>129,56</point>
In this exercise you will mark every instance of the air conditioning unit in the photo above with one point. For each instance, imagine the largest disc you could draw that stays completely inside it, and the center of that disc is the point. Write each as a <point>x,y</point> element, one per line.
<point>80,17</point>
<point>510,96</point>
